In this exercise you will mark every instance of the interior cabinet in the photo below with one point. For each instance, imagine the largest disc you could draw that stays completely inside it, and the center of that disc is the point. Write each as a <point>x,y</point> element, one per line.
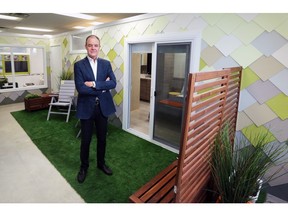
<point>145,85</point>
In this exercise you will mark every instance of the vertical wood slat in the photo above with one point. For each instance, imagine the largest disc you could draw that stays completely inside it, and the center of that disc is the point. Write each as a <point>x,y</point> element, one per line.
<point>233,97</point>
<point>202,95</point>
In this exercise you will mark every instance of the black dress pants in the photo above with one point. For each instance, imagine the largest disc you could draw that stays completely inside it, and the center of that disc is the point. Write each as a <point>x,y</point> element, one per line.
<point>87,130</point>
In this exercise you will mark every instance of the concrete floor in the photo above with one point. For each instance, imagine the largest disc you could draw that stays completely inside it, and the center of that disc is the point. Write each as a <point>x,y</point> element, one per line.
<point>28,177</point>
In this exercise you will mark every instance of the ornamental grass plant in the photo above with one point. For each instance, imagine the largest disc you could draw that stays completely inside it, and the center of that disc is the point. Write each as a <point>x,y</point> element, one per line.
<point>237,170</point>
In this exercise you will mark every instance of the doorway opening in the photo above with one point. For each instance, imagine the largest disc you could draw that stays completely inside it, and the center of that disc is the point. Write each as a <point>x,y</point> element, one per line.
<point>155,75</point>
<point>141,68</point>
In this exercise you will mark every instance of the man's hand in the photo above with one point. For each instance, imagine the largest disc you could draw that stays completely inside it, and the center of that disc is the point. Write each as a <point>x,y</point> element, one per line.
<point>89,83</point>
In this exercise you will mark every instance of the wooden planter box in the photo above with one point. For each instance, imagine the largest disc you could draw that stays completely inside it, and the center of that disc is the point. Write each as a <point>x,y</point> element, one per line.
<point>37,103</point>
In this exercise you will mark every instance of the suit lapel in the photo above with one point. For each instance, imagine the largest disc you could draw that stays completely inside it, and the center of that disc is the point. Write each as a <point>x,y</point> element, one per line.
<point>99,69</point>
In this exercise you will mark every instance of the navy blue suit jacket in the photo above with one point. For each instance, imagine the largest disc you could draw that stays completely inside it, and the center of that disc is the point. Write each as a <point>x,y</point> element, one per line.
<point>87,95</point>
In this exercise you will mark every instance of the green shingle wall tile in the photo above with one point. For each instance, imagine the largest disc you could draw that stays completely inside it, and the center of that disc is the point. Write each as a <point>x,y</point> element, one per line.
<point>101,54</point>
<point>234,22</point>
<point>202,64</point>
<point>48,69</point>
<point>270,21</point>
<point>248,17</point>
<point>248,77</point>
<point>245,55</point>
<point>112,43</point>
<point>252,132</point>
<point>42,43</point>
<point>112,55</point>
<point>23,40</point>
<point>134,33</point>
<point>121,93</point>
<point>122,67</point>
<point>279,104</point>
<point>105,39</point>
<point>183,20</point>
<point>65,42</point>
<point>282,29</point>
<point>159,24</point>
<point>247,32</point>
<point>122,41</point>
<point>211,35</point>
<point>118,99</point>
<point>142,26</point>
<point>211,18</point>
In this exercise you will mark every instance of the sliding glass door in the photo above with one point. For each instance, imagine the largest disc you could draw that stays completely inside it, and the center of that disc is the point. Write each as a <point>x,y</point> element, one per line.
<point>172,68</point>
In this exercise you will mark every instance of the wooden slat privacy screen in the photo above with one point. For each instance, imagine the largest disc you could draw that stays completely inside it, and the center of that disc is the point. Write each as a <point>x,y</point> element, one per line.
<point>212,99</point>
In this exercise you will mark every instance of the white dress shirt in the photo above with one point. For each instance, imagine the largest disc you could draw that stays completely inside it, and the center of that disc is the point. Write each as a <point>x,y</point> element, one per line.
<point>94,69</point>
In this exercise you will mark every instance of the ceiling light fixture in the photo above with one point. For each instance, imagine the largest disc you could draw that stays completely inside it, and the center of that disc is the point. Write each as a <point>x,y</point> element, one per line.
<point>10,17</point>
<point>78,15</point>
<point>96,23</point>
<point>33,29</point>
<point>79,27</point>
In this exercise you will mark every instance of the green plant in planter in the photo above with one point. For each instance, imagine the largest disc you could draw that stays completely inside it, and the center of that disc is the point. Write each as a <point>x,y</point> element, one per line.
<point>236,171</point>
<point>66,75</point>
<point>3,80</point>
<point>30,96</point>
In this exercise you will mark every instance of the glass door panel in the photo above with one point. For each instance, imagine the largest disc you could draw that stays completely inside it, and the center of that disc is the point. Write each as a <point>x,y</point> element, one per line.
<point>172,68</point>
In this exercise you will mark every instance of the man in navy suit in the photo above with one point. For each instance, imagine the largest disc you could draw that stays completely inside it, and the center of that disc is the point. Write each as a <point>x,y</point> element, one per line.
<point>94,79</point>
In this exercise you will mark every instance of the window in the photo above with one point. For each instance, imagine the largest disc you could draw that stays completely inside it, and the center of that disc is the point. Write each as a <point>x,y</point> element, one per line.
<point>22,68</point>
<point>21,64</point>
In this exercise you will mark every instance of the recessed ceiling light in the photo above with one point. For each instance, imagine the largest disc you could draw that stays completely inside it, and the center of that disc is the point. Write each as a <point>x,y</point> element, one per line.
<point>96,23</point>
<point>10,17</point>
<point>78,15</point>
<point>33,29</point>
<point>79,27</point>
<point>49,36</point>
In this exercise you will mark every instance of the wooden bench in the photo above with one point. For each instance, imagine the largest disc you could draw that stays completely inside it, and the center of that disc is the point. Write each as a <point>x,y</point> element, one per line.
<point>160,189</point>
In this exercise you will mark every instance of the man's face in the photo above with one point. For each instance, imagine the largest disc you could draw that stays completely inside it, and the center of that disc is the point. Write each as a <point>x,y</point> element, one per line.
<point>92,46</point>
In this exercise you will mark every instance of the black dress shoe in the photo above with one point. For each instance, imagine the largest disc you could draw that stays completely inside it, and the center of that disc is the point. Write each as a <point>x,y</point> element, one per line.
<point>105,169</point>
<point>81,175</point>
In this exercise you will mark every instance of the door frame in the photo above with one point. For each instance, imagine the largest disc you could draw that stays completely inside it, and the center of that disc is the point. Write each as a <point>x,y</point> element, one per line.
<point>56,68</point>
<point>192,37</point>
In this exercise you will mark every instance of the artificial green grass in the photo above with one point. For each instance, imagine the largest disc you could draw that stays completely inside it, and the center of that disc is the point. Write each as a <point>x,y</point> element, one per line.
<point>134,161</point>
